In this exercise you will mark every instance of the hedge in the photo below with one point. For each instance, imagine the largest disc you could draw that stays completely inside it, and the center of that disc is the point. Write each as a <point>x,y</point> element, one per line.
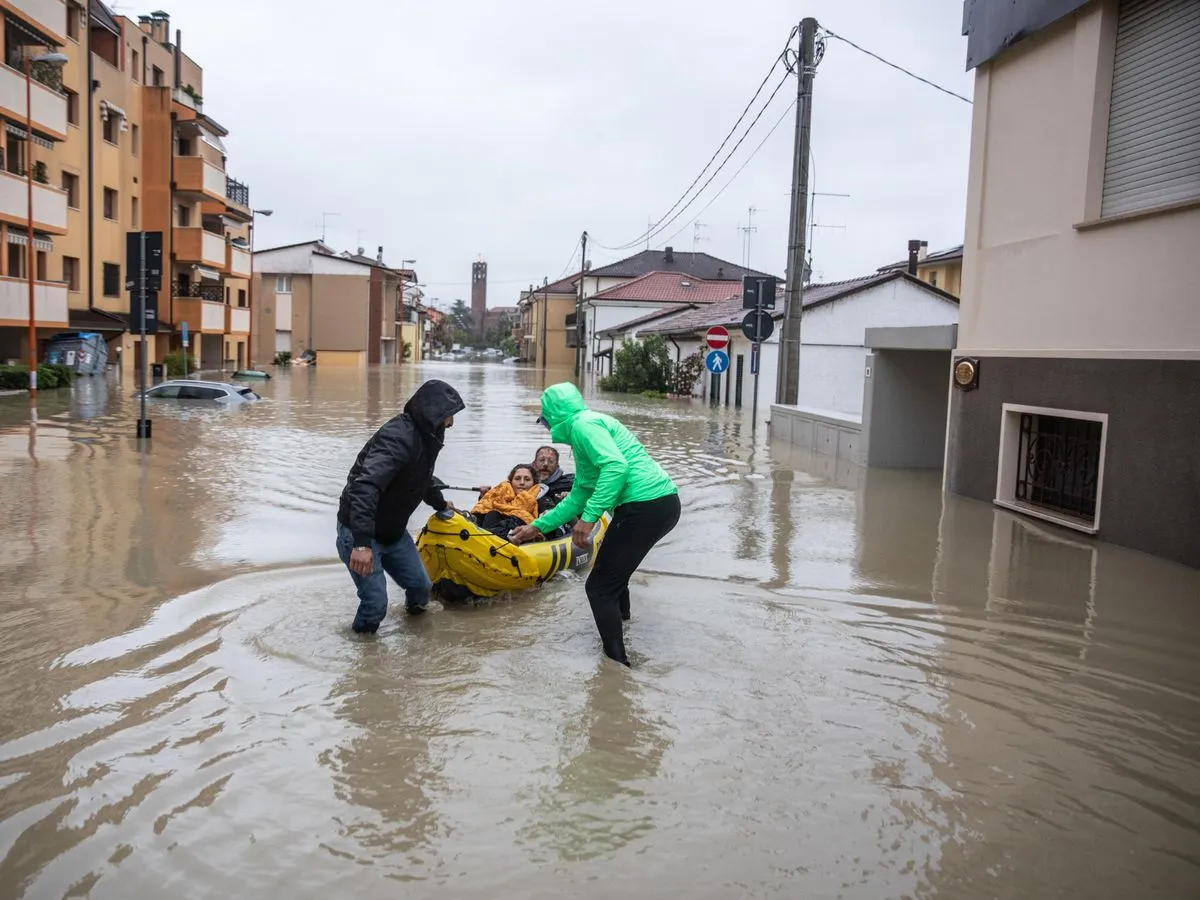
<point>16,378</point>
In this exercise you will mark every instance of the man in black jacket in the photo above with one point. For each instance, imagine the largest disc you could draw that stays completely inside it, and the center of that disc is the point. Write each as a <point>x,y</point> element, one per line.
<point>390,478</point>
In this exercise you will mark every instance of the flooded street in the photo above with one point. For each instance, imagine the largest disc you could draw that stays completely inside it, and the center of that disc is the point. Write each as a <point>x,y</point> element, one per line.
<point>844,685</point>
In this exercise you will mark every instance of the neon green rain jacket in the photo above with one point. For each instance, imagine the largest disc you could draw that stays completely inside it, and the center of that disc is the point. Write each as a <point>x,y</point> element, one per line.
<point>611,465</point>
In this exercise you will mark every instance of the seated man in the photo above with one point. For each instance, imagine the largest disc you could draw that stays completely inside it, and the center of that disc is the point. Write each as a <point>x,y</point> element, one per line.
<point>550,474</point>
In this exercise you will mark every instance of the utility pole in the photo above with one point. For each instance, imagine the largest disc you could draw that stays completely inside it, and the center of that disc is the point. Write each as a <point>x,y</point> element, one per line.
<point>579,329</point>
<point>787,387</point>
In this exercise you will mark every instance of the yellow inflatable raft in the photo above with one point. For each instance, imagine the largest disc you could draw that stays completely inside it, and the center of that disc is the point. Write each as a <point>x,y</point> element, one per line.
<point>463,560</point>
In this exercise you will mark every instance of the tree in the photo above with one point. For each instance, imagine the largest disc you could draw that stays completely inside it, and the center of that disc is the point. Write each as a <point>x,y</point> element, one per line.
<point>640,366</point>
<point>462,322</point>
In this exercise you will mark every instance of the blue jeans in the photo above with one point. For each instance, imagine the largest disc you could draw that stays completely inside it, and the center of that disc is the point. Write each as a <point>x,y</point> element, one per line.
<point>401,561</point>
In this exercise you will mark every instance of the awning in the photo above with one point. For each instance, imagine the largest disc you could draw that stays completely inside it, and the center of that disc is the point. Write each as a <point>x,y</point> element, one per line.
<point>18,131</point>
<point>40,241</point>
<point>210,274</point>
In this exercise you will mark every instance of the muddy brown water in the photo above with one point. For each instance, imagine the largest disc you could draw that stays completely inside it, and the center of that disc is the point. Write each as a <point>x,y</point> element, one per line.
<point>845,685</point>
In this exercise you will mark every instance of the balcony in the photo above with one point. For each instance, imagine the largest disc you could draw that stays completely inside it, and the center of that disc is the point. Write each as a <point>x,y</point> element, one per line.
<point>49,303</point>
<point>237,199</point>
<point>195,175</point>
<point>238,263</point>
<point>49,203</point>
<point>49,107</point>
<point>188,98</point>
<point>237,320</point>
<point>49,16</point>
<point>202,306</point>
<point>196,245</point>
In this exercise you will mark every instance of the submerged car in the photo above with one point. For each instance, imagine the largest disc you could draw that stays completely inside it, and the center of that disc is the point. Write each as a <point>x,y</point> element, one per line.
<point>190,389</point>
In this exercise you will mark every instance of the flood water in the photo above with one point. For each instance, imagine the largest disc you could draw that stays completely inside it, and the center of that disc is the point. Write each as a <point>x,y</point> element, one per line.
<point>844,684</point>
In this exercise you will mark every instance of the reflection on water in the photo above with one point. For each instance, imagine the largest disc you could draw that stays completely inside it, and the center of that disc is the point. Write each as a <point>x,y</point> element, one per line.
<point>844,684</point>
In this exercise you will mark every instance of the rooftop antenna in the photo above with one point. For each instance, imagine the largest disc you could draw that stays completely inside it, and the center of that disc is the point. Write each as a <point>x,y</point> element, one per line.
<point>696,226</point>
<point>748,229</point>
<point>649,228</point>
<point>324,220</point>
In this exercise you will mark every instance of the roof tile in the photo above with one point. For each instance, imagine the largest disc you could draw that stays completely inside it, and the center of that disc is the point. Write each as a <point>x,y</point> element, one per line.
<point>671,287</point>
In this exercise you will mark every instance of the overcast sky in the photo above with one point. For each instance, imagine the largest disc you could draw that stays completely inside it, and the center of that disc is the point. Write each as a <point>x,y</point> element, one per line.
<point>443,131</point>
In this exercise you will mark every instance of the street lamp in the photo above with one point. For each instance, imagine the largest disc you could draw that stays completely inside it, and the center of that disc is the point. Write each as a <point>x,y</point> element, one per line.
<point>250,300</point>
<point>55,59</point>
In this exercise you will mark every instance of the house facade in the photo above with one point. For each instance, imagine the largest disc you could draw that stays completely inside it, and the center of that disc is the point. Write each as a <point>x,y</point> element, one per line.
<point>547,317</point>
<point>310,298</point>
<point>1077,365</point>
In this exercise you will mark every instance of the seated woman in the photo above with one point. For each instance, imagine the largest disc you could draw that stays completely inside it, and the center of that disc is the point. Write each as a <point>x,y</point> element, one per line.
<point>510,503</point>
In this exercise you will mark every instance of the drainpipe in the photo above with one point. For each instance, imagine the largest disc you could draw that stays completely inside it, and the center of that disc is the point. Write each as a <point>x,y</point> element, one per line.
<point>91,184</point>
<point>677,350</point>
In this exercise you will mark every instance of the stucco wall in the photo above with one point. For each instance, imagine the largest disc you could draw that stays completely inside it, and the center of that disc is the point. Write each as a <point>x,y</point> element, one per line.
<point>1032,281</point>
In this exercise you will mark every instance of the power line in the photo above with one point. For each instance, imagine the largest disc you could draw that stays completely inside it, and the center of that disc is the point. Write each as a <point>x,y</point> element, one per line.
<point>745,163</point>
<point>728,156</point>
<point>649,233</point>
<point>898,68</point>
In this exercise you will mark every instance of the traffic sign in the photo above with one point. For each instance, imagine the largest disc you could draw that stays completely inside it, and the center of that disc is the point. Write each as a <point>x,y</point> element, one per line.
<point>717,361</point>
<point>758,292</point>
<point>758,325</point>
<point>152,261</point>
<point>717,338</point>
<point>184,331</point>
<point>754,353</point>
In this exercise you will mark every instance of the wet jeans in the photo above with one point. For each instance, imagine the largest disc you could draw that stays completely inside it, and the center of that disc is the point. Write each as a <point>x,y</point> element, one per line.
<point>401,561</point>
<point>634,530</point>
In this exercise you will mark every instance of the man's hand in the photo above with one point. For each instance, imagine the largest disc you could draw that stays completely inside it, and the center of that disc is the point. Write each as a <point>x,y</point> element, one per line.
<point>523,533</point>
<point>483,489</point>
<point>581,534</point>
<point>362,561</point>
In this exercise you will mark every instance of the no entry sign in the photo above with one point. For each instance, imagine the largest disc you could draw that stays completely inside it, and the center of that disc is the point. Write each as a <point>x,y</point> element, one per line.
<point>717,337</point>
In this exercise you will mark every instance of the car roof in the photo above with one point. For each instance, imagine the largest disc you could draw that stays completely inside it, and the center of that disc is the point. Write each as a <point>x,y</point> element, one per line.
<point>197,382</point>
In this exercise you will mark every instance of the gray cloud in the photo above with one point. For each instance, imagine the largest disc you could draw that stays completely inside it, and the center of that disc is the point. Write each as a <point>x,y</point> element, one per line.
<point>443,130</point>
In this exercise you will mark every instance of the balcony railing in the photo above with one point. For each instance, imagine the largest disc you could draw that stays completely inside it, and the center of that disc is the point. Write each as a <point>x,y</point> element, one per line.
<point>201,291</point>
<point>236,192</point>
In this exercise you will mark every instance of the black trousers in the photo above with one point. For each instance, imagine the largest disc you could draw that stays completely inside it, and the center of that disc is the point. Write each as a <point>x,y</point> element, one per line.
<point>635,529</point>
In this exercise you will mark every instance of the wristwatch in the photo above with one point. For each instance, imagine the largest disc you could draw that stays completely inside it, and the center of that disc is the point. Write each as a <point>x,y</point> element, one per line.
<point>362,548</point>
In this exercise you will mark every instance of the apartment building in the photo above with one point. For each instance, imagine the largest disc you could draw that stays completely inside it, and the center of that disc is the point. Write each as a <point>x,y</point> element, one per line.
<point>120,143</point>
<point>1077,367</point>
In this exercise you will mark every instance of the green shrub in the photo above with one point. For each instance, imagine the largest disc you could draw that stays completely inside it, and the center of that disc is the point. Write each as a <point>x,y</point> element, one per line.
<point>685,373</point>
<point>284,357</point>
<point>174,364</point>
<point>640,366</point>
<point>16,378</point>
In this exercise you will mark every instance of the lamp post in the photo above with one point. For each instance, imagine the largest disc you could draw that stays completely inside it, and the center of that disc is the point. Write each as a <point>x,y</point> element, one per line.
<point>250,289</point>
<point>56,59</point>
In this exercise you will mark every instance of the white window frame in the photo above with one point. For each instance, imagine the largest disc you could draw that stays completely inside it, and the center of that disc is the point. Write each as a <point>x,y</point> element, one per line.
<point>283,284</point>
<point>1010,448</point>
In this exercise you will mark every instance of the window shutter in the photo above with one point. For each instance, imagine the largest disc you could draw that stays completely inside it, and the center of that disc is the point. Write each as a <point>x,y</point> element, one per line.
<point>1153,155</point>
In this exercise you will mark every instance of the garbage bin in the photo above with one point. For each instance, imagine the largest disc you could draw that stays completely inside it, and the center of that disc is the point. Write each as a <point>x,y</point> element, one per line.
<point>157,370</point>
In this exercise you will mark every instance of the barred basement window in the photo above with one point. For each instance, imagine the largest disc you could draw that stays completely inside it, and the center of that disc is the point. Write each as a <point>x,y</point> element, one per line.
<point>1052,464</point>
<point>1059,464</point>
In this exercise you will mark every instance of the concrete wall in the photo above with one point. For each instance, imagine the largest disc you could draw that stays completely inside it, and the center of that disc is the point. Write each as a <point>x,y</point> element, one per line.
<point>904,409</point>
<point>1150,489</point>
<point>1032,279</point>
<point>341,305</point>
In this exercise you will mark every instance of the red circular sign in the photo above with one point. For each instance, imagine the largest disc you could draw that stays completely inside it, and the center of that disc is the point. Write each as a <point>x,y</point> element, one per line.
<point>717,337</point>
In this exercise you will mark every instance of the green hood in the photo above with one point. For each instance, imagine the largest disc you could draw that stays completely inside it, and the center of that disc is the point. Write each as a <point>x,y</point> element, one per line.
<point>560,404</point>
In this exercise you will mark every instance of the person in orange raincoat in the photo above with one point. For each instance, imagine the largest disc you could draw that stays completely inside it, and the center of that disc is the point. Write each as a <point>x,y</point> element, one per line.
<point>510,503</point>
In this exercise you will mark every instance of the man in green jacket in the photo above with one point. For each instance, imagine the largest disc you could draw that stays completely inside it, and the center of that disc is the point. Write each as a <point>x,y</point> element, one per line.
<point>613,471</point>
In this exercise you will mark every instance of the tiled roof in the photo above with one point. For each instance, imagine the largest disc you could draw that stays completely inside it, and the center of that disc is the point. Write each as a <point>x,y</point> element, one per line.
<point>948,255</point>
<point>698,265</point>
<point>671,287</point>
<point>673,310</point>
<point>730,312</point>
<point>562,286</point>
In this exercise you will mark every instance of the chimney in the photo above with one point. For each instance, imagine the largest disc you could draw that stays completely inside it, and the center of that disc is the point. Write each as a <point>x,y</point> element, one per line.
<point>720,273</point>
<point>379,255</point>
<point>670,255</point>
<point>915,255</point>
<point>924,251</point>
<point>360,251</point>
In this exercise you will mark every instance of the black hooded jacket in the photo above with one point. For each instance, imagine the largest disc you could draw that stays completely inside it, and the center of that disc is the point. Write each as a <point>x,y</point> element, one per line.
<point>394,469</point>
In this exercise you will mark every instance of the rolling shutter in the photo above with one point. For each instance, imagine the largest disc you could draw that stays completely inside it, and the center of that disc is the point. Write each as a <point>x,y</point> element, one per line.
<point>1153,155</point>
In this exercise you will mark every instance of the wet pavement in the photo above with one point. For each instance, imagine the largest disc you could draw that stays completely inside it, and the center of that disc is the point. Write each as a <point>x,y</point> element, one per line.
<point>845,685</point>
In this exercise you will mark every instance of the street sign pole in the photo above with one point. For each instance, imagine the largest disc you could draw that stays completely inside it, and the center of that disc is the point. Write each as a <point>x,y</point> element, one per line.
<point>185,348</point>
<point>143,425</point>
<point>754,351</point>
